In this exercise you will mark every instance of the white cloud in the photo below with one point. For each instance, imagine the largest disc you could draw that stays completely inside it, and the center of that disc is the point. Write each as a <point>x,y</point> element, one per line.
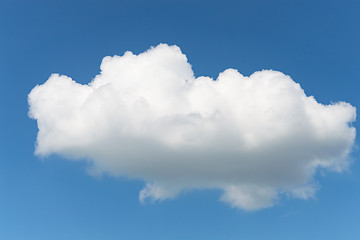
<point>146,116</point>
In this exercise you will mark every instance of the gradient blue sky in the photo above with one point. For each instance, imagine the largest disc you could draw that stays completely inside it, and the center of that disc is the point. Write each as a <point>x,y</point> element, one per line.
<point>315,42</point>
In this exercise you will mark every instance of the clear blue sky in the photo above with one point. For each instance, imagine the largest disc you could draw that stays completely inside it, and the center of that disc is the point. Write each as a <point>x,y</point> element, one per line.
<point>315,42</point>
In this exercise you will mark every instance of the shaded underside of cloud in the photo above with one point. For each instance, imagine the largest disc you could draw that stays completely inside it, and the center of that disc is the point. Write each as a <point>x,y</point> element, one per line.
<point>147,116</point>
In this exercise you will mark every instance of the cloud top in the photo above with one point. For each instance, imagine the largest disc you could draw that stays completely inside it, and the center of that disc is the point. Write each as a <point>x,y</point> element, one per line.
<point>147,116</point>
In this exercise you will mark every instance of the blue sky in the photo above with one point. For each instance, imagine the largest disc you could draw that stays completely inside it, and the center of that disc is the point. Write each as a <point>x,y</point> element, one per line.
<point>315,42</point>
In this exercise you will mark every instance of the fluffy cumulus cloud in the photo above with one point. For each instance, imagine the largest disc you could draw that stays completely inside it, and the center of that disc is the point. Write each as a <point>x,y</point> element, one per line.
<point>255,138</point>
